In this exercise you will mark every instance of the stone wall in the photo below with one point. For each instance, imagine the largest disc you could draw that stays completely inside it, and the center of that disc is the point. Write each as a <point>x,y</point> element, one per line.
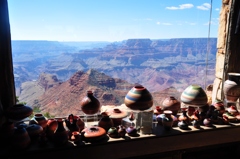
<point>221,49</point>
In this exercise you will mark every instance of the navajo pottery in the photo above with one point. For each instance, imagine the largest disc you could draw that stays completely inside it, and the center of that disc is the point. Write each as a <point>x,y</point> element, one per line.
<point>138,98</point>
<point>195,96</point>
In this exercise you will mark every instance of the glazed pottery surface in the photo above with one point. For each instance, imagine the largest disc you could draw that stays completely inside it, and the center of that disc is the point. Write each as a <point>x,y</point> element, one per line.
<point>138,98</point>
<point>113,132</point>
<point>231,88</point>
<point>90,104</point>
<point>195,96</point>
<point>171,103</point>
<point>18,112</point>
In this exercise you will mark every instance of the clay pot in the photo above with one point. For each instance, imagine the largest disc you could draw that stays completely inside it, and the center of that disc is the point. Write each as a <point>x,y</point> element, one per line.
<point>113,132</point>
<point>80,123</point>
<point>195,96</point>
<point>184,120</point>
<point>138,98</point>
<point>39,119</point>
<point>51,128</point>
<point>121,131</point>
<point>167,120</point>
<point>93,133</point>
<point>71,124</point>
<point>34,131</point>
<point>89,104</point>
<point>117,115</point>
<point>75,137</point>
<point>105,121</point>
<point>231,88</point>
<point>20,138</point>
<point>131,131</point>
<point>60,136</point>
<point>219,107</point>
<point>171,103</point>
<point>18,112</point>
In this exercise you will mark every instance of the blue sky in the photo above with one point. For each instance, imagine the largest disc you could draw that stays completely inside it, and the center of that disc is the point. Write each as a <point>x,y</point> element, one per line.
<point>112,20</point>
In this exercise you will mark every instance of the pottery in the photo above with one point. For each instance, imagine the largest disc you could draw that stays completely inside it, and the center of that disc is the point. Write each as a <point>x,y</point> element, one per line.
<point>117,115</point>
<point>113,132</point>
<point>219,107</point>
<point>60,136</point>
<point>51,128</point>
<point>208,122</point>
<point>131,131</point>
<point>195,96</point>
<point>158,110</point>
<point>190,111</point>
<point>18,112</point>
<point>167,120</point>
<point>231,87</point>
<point>71,124</point>
<point>121,131</point>
<point>171,103</point>
<point>184,120</point>
<point>34,131</point>
<point>39,119</point>
<point>105,121</point>
<point>89,104</point>
<point>75,137</point>
<point>93,133</point>
<point>20,138</point>
<point>80,123</point>
<point>129,120</point>
<point>138,98</point>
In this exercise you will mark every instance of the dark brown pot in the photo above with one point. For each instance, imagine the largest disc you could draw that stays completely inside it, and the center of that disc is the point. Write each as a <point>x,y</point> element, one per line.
<point>89,104</point>
<point>138,98</point>
<point>171,103</point>
<point>52,125</point>
<point>105,122</point>
<point>18,112</point>
<point>60,136</point>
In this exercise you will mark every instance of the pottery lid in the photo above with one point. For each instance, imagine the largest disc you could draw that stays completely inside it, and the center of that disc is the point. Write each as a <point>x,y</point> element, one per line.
<point>117,113</point>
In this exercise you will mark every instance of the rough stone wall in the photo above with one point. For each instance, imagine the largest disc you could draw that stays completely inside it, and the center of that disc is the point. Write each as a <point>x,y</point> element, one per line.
<point>221,50</point>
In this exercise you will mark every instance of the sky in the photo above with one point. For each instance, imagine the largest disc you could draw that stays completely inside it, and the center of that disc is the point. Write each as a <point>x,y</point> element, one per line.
<point>112,20</point>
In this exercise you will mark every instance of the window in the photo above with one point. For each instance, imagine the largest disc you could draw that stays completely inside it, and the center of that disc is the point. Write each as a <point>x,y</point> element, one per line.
<point>164,46</point>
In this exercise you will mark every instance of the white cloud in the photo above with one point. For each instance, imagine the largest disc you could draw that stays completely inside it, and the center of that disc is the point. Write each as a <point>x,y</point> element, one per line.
<point>159,23</point>
<point>217,9</point>
<point>204,6</point>
<point>181,6</point>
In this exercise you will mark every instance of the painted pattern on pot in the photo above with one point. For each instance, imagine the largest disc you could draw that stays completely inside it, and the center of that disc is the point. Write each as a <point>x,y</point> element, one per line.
<point>195,96</point>
<point>231,88</point>
<point>138,98</point>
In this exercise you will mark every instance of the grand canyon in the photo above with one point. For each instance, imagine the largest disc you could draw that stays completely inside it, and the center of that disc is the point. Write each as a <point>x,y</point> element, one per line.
<point>55,76</point>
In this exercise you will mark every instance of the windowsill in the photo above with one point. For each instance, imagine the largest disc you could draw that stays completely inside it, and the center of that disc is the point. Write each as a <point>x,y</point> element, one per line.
<point>160,142</point>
